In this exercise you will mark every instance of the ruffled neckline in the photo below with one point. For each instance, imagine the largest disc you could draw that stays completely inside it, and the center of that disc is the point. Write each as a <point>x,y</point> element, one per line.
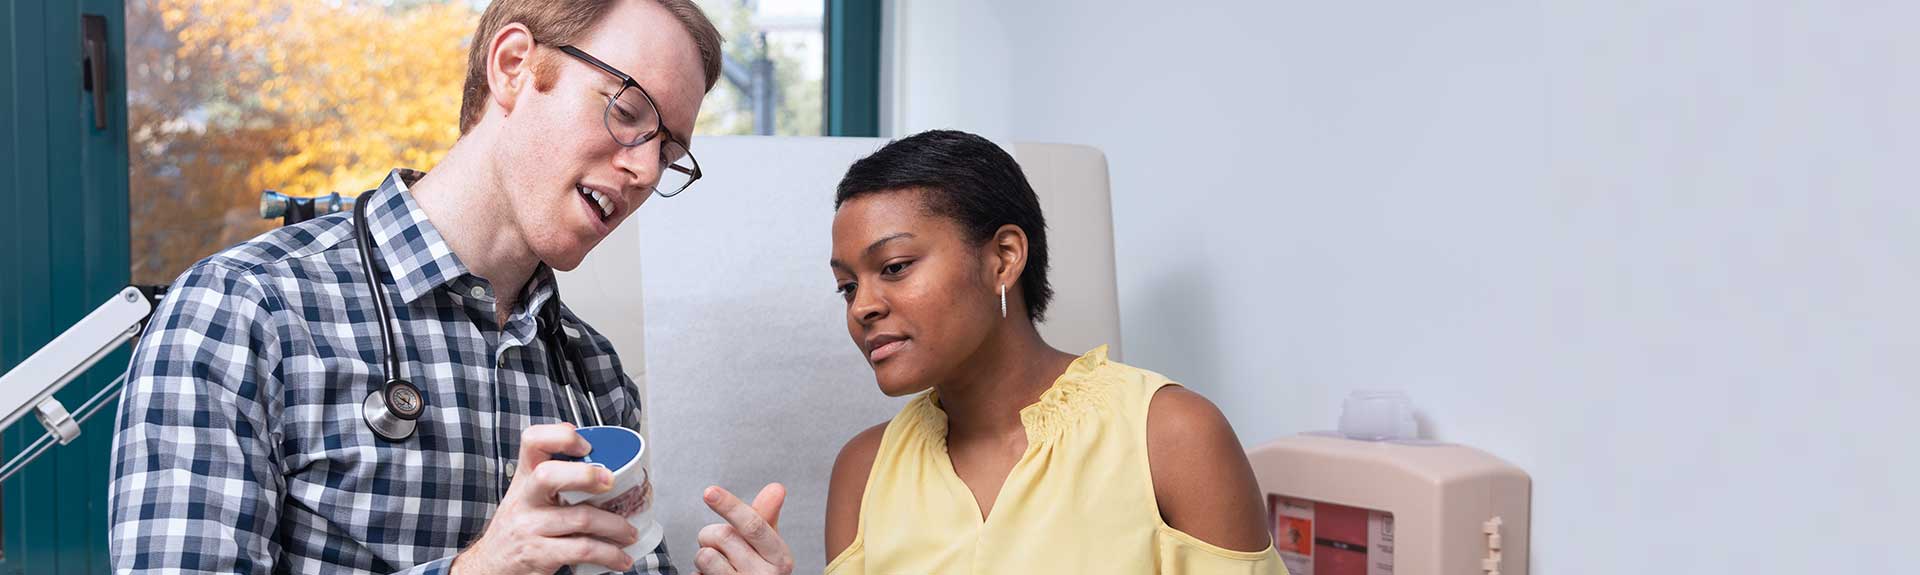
<point>1074,394</point>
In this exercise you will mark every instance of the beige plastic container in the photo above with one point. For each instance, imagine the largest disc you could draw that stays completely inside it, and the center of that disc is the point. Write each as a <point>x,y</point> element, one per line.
<point>1428,507</point>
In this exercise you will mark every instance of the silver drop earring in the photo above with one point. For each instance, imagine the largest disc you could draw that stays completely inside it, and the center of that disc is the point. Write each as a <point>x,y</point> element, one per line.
<point>1003,301</point>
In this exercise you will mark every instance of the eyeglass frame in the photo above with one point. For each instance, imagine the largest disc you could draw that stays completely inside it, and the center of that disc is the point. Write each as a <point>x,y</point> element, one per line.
<point>606,119</point>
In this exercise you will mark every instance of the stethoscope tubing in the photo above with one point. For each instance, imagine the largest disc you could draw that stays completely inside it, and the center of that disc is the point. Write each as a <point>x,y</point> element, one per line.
<point>391,411</point>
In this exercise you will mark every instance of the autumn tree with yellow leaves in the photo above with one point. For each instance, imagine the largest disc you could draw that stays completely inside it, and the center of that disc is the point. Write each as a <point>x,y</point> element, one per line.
<point>309,97</point>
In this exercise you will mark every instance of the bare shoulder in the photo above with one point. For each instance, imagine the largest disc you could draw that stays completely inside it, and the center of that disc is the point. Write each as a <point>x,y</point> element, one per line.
<point>1201,477</point>
<point>849,486</point>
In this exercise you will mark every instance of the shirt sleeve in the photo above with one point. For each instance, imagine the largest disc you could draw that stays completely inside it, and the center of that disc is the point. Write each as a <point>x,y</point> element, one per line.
<point>439,566</point>
<point>196,486</point>
<point>655,563</point>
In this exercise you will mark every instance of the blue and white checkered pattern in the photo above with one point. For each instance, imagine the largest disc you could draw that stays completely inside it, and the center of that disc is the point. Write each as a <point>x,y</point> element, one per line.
<point>241,447</point>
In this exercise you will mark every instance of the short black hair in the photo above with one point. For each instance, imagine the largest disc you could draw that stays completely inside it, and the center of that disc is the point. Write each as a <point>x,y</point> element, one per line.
<point>965,178</point>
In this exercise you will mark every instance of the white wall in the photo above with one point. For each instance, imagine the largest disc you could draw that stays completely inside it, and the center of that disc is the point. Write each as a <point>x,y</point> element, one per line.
<point>944,64</point>
<point>1663,255</point>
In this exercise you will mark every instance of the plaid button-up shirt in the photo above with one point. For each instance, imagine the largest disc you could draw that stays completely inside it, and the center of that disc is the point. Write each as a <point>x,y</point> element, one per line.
<point>241,445</point>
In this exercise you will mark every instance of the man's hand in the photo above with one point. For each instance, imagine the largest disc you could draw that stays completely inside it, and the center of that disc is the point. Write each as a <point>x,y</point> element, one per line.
<point>749,542</point>
<point>532,532</point>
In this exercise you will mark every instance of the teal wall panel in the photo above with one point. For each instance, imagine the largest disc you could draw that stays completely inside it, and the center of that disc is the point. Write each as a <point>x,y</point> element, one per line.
<point>853,67</point>
<point>64,224</point>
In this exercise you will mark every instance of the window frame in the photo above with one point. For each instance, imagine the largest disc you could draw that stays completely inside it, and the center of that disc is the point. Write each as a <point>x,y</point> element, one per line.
<point>852,90</point>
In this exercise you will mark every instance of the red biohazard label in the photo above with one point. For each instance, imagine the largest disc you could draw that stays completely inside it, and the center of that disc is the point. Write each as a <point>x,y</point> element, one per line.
<point>1320,538</point>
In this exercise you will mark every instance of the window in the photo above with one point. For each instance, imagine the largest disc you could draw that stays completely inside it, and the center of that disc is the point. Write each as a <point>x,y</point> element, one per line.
<point>774,72</point>
<point>227,98</point>
<point>230,97</point>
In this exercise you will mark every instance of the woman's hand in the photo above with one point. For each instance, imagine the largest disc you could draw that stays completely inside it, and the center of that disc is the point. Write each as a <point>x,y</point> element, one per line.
<point>749,542</point>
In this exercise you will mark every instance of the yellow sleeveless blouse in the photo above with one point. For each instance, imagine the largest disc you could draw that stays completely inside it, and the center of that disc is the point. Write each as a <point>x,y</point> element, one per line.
<point>1080,500</point>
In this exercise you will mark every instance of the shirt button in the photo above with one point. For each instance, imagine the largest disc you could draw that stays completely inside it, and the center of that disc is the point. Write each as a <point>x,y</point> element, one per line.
<point>478,292</point>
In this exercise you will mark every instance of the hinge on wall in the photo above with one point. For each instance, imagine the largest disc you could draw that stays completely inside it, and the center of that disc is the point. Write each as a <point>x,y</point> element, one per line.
<point>1491,564</point>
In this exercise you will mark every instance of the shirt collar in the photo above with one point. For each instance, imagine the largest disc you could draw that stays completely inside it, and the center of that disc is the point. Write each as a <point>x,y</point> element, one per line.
<point>411,250</point>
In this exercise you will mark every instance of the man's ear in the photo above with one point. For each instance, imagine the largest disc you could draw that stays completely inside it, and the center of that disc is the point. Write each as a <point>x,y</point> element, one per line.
<point>1008,253</point>
<point>509,65</point>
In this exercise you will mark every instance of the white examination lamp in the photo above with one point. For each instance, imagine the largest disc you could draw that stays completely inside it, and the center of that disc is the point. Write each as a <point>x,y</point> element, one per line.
<point>30,386</point>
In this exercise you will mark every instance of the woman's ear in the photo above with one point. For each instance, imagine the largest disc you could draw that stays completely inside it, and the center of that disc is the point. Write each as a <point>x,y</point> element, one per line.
<point>1008,247</point>
<point>510,65</point>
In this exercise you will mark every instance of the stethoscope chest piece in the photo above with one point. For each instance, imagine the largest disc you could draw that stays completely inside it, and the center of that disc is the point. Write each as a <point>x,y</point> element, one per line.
<point>391,410</point>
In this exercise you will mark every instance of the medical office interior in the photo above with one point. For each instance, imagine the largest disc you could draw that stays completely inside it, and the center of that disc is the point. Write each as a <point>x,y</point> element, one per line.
<point>1629,286</point>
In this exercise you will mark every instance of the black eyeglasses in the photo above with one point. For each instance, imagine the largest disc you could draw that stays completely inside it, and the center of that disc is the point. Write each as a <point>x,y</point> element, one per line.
<point>633,119</point>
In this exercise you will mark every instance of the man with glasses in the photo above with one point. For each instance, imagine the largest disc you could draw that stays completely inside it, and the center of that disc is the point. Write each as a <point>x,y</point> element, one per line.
<point>247,441</point>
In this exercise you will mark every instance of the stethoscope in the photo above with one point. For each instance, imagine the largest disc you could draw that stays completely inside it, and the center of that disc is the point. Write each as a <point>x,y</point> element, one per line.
<point>392,410</point>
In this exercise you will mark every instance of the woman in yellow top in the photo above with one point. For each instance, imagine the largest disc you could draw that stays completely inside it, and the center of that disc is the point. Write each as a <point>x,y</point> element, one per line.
<point>1019,458</point>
